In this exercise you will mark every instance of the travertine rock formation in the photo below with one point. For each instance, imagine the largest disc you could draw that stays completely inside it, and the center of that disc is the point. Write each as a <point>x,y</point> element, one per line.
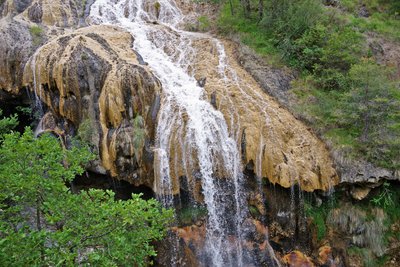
<point>92,79</point>
<point>278,145</point>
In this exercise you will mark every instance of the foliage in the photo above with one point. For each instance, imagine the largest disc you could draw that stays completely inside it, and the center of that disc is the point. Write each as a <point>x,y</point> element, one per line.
<point>318,216</point>
<point>85,131</point>
<point>37,34</point>
<point>7,124</point>
<point>249,31</point>
<point>385,198</point>
<point>139,136</point>
<point>327,47</point>
<point>328,54</point>
<point>372,110</point>
<point>43,223</point>
<point>204,23</point>
<point>191,214</point>
<point>287,20</point>
<point>24,110</point>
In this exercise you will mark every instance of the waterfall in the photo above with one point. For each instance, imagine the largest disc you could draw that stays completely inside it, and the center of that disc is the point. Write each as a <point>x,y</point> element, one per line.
<point>187,120</point>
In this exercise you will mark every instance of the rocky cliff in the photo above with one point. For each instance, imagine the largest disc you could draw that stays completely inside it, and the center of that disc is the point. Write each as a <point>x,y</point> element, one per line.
<point>90,78</point>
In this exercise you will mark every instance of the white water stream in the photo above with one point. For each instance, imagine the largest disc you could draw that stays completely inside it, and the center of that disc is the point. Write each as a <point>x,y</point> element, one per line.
<point>202,130</point>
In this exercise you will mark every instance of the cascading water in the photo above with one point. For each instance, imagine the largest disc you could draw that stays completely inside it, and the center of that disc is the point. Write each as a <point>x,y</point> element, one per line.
<point>188,119</point>
<point>37,91</point>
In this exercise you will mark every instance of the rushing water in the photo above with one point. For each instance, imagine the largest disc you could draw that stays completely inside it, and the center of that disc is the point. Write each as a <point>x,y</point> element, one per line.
<point>188,119</point>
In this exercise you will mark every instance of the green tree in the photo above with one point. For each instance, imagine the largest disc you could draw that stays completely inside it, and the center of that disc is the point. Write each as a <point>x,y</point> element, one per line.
<point>43,223</point>
<point>372,110</point>
<point>8,123</point>
<point>287,20</point>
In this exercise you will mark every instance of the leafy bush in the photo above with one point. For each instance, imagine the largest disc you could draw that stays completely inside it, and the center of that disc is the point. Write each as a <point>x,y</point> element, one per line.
<point>42,223</point>
<point>372,109</point>
<point>85,131</point>
<point>7,124</point>
<point>327,46</point>
<point>318,216</point>
<point>204,23</point>
<point>385,199</point>
<point>331,79</point>
<point>287,20</point>
<point>36,33</point>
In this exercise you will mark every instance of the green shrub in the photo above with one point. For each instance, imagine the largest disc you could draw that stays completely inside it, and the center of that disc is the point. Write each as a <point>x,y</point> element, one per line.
<point>37,34</point>
<point>331,79</point>
<point>139,136</point>
<point>7,123</point>
<point>85,131</point>
<point>204,23</point>
<point>318,216</point>
<point>190,215</point>
<point>343,48</point>
<point>309,48</point>
<point>385,199</point>
<point>287,20</point>
<point>42,223</point>
<point>372,108</point>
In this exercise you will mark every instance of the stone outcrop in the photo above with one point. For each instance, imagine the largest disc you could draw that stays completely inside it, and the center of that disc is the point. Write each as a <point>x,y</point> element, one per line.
<point>273,80</point>
<point>362,173</point>
<point>57,13</point>
<point>15,49</point>
<point>192,240</point>
<point>13,7</point>
<point>94,81</point>
<point>91,79</point>
<point>297,258</point>
<point>273,143</point>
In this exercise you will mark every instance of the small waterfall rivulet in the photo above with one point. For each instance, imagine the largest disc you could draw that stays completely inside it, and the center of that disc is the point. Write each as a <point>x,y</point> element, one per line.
<point>187,118</point>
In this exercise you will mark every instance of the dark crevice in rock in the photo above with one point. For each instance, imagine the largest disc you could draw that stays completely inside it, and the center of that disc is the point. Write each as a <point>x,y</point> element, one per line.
<point>35,13</point>
<point>11,104</point>
<point>21,5</point>
<point>123,190</point>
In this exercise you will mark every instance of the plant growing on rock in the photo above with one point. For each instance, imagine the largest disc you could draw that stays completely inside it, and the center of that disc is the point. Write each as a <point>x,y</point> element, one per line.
<point>203,23</point>
<point>36,33</point>
<point>85,131</point>
<point>139,136</point>
<point>385,197</point>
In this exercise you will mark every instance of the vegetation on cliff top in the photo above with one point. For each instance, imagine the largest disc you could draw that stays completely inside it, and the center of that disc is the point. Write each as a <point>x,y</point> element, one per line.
<point>43,223</point>
<point>341,90</point>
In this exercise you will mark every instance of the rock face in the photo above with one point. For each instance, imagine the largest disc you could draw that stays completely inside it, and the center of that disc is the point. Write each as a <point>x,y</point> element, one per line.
<point>273,143</point>
<point>386,52</point>
<point>191,241</point>
<point>92,81</point>
<point>362,172</point>
<point>351,223</point>
<point>274,81</point>
<point>13,54</point>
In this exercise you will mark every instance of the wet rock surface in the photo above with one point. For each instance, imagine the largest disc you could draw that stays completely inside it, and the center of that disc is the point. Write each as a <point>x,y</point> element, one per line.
<point>92,77</point>
<point>15,49</point>
<point>77,70</point>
